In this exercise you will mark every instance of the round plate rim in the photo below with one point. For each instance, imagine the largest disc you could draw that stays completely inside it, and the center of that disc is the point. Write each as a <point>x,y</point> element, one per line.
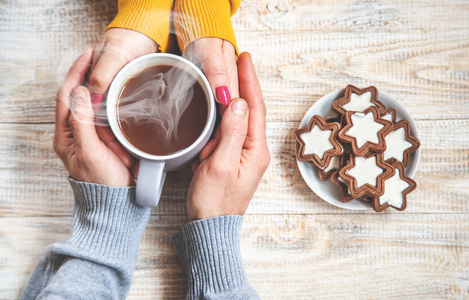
<point>305,167</point>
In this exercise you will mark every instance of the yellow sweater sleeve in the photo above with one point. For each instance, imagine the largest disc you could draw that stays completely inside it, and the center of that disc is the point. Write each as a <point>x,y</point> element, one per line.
<point>150,17</point>
<point>195,19</point>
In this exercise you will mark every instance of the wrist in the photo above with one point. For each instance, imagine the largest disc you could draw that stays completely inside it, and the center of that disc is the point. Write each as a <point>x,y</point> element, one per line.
<point>107,220</point>
<point>207,18</point>
<point>210,252</point>
<point>202,214</point>
<point>151,18</point>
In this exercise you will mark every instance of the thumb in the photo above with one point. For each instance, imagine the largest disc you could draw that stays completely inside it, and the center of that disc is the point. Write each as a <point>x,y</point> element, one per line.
<point>234,128</point>
<point>81,119</point>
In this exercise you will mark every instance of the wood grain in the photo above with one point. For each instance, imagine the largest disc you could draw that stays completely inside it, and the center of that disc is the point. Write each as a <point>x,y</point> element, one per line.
<point>429,69</point>
<point>291,257</point>
<point>294,245</point>
<point>56,15</point>
<point>338,15</point>
<point>259,15</point>
<point>33,180</point>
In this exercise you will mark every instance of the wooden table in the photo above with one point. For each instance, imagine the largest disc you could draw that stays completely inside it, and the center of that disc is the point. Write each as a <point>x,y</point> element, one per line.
<point>294,245</point>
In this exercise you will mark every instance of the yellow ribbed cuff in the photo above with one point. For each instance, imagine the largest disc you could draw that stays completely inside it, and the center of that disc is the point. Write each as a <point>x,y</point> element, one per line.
<point>195,19</point>
<point>150,17</point>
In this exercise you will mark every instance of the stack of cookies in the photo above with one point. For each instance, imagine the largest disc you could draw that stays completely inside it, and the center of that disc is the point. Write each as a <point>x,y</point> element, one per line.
<point>364,151</point>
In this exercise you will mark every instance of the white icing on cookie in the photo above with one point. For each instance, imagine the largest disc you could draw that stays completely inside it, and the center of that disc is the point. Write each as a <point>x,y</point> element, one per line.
<point>365,171</point>
<point>387,117</point>
<point>393,189</point>
<point>317,141</point>
<point>359,102</point>
<point>334,164</point>
<point>396,145</point>
<point>364,128</point>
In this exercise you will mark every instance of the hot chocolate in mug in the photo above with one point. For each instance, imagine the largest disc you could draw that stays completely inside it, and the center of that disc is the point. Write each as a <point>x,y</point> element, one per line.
<point>143,143</point>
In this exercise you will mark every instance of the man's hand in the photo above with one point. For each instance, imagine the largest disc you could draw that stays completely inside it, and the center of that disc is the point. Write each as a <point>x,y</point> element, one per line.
<point>84,154</point>
<point>232,167</point>
<point>116,48</point>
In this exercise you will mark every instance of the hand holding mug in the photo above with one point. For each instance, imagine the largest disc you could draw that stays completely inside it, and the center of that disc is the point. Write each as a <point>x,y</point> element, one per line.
<point>225,182</point>
<point>164,133</point>
<point>116,48</point>
<point>76,142</point>
<point>217,58</point>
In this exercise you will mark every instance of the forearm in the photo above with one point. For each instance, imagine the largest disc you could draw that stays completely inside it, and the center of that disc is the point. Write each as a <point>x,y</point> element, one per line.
<point>195,19</point>
<point>210,252</point>
<point>150,17</point>
<point>97,260</point>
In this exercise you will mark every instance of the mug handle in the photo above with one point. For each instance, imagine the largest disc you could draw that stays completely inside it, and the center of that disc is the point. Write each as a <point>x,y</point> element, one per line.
<point>150,180</point>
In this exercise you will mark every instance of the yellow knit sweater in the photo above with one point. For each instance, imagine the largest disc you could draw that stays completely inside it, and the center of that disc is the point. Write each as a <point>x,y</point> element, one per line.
<point>193,19</point>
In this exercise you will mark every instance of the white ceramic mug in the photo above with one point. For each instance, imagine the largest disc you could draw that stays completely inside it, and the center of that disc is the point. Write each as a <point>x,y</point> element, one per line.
<point>153,168</point>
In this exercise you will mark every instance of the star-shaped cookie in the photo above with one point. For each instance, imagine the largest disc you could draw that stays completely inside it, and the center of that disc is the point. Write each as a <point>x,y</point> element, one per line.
<point>366,175</point>
<point>358,100</point>
<point>396,189</point>
<point>400,144</point>
<point>389,114</point>
<point>318,142</point>
<point>365,131</point>
<point>333,166</point>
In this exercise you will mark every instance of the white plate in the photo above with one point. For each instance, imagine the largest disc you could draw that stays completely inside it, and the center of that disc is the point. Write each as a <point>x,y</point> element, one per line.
<point>328,191</point>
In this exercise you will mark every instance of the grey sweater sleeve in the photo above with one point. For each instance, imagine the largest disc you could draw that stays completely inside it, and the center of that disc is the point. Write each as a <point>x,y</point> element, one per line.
<point>98,258</point>
<point>209,250</point>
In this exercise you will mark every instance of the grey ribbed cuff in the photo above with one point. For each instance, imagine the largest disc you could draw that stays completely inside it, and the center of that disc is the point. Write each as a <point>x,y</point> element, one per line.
<point>107,220</point>
<point>210,252</point>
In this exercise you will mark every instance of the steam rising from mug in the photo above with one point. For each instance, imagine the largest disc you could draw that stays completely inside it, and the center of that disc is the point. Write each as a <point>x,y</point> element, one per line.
<point>160,101</point>
<point>182,85</point>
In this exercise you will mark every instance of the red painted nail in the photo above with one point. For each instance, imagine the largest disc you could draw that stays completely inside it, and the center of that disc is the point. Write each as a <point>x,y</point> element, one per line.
<point>223,95</point>
<point>96,99</point>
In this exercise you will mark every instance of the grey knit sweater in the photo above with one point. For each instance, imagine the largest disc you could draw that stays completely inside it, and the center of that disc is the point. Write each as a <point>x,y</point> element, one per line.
<point>97,260</point>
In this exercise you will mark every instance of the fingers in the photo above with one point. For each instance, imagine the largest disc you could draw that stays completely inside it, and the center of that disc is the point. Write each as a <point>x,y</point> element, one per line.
<point>117,47</point>
<point>231,61</point>
<point>195,164</point>
<point>208,149</point>
<point>96,99</point>
<point>234,127</point>
<point>97,52</point>
<point>108,138</point>
<point>104,70</point>
<point>134,169</point>
<point>75,77</point>
<point>251,91</point>
<point>209,52</point>
<point>81,120</point>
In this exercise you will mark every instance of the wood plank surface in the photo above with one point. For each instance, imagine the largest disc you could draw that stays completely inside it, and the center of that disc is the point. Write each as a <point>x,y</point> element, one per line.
<point>295,69</point>
<point>286,257</point>
<point>338,15</point>
<point>294,245</point>
<point>33,180</point>
<point>259,15</point>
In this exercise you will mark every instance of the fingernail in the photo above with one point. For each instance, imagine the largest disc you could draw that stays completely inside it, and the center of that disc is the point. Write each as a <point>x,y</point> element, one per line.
<point>96,99</point>
<point>239,107</point>
<point>223,95</point>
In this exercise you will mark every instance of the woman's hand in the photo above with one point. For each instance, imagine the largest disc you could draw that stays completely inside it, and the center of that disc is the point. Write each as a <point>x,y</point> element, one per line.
<point>226,180</point>
<point>217,58</point>
<point>116,48</point>
<point>85,156</point>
